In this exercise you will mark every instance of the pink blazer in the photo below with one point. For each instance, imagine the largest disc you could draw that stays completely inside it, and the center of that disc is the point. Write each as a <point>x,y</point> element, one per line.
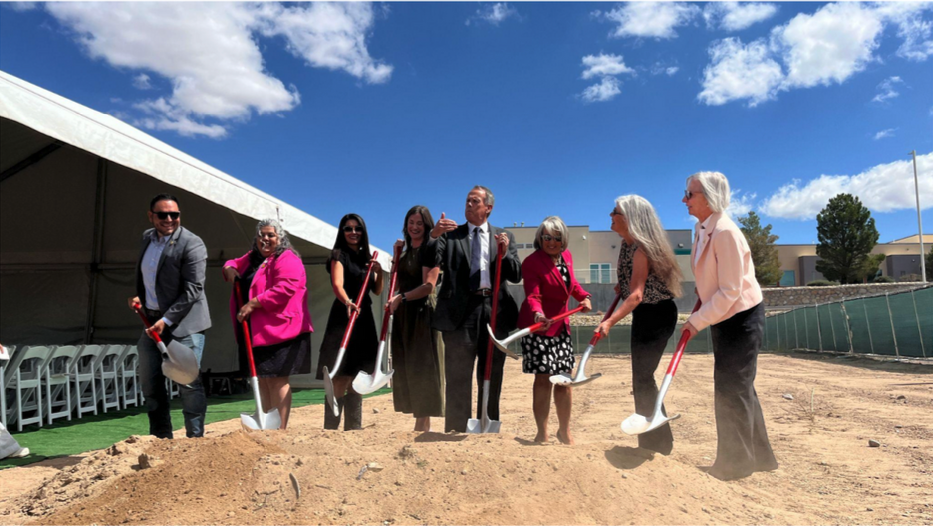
<point>545,291</point>
<point>724,273</point>
<point>280,286</point>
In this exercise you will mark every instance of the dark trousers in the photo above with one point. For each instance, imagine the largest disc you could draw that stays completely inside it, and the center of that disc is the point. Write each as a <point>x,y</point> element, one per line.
<point>152,381</point>
<point>743,445</point>
<point>652,326</point>
<point>464,347</point>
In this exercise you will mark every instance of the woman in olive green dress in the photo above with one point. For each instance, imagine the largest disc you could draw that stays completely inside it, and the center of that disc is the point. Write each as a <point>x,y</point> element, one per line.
<point>417,349</point>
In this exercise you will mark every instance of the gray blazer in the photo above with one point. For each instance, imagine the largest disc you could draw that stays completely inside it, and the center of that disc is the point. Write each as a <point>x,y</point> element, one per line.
<point>453,257</point>
<point>179,282</point>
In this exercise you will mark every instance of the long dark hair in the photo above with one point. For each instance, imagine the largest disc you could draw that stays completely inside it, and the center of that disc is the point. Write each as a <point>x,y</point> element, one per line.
<point>340,245</point>
<point>425,217</point>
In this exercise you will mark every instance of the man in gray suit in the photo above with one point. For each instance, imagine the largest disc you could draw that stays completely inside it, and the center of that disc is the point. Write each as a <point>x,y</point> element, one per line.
<point>467,256</point>
<point>170,277</point>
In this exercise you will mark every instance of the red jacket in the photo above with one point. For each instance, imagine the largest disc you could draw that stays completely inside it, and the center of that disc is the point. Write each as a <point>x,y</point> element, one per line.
<point>280,285</point>
<point>546,292</point>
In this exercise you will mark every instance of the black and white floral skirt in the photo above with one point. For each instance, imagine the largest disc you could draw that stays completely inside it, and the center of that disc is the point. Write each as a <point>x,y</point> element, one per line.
<point>547,355</point>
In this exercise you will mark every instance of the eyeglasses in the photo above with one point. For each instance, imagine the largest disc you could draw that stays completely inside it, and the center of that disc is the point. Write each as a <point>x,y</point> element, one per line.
<point>352,229</point>
<point>615,212</point>
<point>689,195</point>
<point>548,237</point>
<point>165,215</point>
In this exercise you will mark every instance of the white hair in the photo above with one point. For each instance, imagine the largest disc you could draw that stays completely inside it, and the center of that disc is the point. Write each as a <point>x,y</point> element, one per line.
<point>284,242</point>
<point>715,188</point>
<point>649,234</point>
<point>555,226</point>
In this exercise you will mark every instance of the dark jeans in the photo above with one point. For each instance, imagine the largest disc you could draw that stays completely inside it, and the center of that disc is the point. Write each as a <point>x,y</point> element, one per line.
<point>743,445</point>
<point>465,346</point>
<point>652,326</point>
<point>152,381</point>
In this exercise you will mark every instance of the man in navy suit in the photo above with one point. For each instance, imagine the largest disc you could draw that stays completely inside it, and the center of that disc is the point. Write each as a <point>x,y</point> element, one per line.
<point>467,255</point>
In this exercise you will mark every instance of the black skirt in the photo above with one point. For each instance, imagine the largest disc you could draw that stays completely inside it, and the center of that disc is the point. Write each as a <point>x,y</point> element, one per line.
<point>285,359</point>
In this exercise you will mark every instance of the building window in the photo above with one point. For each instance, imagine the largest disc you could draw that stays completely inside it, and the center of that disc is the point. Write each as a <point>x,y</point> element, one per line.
<point>788,279</point>
<point>600,273</point>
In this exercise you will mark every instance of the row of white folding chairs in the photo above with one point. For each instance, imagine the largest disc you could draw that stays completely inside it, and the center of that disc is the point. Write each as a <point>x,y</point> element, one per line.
<point>52,382</point>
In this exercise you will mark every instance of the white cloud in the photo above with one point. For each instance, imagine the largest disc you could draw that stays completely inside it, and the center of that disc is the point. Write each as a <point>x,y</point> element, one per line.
<point>141,81</point>
<point>660,69</point>
<point>740,205</point>
<point>604,65</point>
<point>607,89</point>
<point>740,71</point>
<point>828,46</point>
<point>23,6</point>
<point>911,27</point>
<point>886,89</point>
<point>495,14</point>
<point>733,16</point>
<point>882,188</point>
<point>209,53</point>
<point>650,19</point>
<point>885,133</point>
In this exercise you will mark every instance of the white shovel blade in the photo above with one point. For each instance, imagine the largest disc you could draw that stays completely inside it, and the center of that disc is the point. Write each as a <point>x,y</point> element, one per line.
<point>329,398</point>
<point>499,344</point>
<point>268,421</point>
<point>561,379</point>
<point>180,363</point>
<point>478,426</point>
<point>638,424</point>
<point>370,383</point>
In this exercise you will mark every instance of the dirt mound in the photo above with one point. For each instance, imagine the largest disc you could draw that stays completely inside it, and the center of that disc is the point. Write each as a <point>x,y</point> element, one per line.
<point>387,474</point>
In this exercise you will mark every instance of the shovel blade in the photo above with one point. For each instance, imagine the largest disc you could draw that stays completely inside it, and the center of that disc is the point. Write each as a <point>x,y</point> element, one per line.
<point>561,379</point>
<point>265,422</point>
<point>180,363</point>
<point>370,383</point>
<point>478,426</point>
<point>638,424</point>
<point>499,345</point>
<point>329,399</point>
<point>585,379</point>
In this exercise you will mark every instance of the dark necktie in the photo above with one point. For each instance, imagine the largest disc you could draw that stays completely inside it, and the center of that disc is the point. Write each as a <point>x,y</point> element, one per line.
<point>476,256</point>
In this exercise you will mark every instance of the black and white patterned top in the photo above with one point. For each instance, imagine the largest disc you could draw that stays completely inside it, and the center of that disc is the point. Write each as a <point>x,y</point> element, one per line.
<point>655,289</point>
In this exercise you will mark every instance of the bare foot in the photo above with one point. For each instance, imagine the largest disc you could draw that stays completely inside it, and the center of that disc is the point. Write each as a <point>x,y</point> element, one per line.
<point>541,437</point>
<point>565,439</point>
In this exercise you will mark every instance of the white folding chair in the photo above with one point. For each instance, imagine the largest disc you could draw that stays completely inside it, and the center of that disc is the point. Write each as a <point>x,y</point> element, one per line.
<point>172,388</point>
<point>84,372</point>
<point>126,377</point>
<point>4,417</point>
<point>107,375</point>
<point>24,377</point>
<point>57,379</point>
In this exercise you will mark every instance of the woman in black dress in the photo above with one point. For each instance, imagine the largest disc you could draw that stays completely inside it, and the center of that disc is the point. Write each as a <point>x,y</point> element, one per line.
<point>417,349</point>
<point>347,267</point>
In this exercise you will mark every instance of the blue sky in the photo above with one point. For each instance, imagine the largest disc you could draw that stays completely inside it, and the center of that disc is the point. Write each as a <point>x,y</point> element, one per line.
<point>558,107</point>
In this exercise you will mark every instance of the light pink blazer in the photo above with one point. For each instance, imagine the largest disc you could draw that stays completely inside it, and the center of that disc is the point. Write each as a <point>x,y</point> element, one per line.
<point>545,291</point>
<point>280,286</point>
<point>724,273</point>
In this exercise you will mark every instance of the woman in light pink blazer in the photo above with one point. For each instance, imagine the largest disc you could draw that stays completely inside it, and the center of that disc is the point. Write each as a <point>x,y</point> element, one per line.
<point>547,276</point>
<point>732,309</point>
<point>274,300</point>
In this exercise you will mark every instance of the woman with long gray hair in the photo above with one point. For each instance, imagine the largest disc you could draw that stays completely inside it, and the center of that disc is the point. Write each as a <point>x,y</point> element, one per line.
<point>649,280</point>
<point>732,309</point>
<point>274,301</point>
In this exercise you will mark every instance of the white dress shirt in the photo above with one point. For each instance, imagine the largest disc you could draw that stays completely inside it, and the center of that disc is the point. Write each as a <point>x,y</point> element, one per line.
<point>150,268</point>
<point>485,282</point>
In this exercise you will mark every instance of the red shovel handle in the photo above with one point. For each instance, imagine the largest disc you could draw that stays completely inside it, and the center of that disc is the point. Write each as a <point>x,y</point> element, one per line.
<point>246,337</point>
<point>388,313</point>
<point>139,310</point>
<point>559,317</point>
<point>612,308</point>
<point>359,300</point>
<point>495,308</point>
<point>681,345</point>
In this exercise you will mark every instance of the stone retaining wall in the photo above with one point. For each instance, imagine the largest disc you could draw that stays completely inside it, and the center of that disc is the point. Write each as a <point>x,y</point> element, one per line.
<point>792,296</point>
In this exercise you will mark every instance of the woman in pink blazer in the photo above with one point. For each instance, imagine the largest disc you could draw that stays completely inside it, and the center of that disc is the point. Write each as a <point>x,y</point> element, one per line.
<point>549,283</point>
<point>274,300</point>
<point>732,309</point>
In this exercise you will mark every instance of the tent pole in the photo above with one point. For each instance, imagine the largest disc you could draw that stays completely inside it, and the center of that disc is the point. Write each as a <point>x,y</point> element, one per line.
<point>96,250</point>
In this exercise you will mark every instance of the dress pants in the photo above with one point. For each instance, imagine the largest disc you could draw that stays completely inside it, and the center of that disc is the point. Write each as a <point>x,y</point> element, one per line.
<point>652,326</point>
<point>743,445</point>
<point>465,346</point>
<point>152,381</point>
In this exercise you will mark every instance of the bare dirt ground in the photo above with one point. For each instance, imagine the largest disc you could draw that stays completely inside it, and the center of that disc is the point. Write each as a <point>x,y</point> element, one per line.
<point>829,474</point>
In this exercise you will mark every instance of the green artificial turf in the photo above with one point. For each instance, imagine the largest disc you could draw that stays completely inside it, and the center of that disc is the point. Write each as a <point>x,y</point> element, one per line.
<point>103,430</point>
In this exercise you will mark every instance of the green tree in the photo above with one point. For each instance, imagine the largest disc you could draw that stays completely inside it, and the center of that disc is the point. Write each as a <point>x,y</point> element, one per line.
<point>846,234</point>
<point>764,253</point>
<point>929,265</point>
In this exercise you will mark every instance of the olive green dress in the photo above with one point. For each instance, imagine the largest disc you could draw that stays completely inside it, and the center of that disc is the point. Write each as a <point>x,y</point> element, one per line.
<point>417,349</point>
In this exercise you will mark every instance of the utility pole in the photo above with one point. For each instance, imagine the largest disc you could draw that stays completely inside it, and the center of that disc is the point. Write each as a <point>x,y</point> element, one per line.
<point>923,255</point>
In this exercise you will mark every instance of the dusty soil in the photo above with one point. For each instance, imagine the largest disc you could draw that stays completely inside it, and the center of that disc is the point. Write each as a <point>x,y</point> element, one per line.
<point>828,473</point>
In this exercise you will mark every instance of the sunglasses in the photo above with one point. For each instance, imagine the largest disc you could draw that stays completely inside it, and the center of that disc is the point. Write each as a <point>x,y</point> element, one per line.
<point>548,237</point>
<point>165,215</point>
<point>352,229</point>
<point>689,195</point>
<point>615,212</point>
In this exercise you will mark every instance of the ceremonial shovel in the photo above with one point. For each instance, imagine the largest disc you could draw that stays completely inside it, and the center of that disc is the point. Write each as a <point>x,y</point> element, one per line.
<point>484,424</point>
<point>179,363</point>
<point>637,424</point>
<point>368,383</point>
<point>260,419</point>
<point>503,345</point>
<point>330,399</point>
<point>580,378</point>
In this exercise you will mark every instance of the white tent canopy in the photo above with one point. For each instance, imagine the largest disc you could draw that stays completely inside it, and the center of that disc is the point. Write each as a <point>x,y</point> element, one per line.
<point>74,188</point>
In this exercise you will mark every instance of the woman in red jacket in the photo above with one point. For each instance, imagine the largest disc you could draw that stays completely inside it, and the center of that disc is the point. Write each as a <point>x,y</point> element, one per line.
<point>549,283</point>
<point>274,300</point>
